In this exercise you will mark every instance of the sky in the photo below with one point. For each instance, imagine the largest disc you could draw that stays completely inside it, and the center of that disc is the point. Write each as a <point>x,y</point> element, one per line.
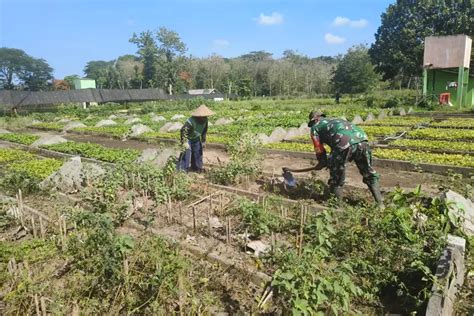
<point>69,33</point>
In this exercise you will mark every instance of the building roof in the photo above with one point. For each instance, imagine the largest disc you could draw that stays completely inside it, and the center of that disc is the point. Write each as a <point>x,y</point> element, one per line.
<point>202,91</point>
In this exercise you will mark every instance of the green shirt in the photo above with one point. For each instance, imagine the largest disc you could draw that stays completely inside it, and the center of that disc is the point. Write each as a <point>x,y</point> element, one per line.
<point>338,133</point>
<point>194,130</point>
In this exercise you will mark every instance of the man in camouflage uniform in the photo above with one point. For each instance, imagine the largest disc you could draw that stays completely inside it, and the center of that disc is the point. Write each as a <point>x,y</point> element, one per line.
<point>348,143</point>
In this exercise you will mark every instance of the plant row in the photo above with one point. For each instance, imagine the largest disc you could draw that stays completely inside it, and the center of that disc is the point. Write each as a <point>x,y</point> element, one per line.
<point>425,157</point>
<point>434,144</point>
<point>95,151</point>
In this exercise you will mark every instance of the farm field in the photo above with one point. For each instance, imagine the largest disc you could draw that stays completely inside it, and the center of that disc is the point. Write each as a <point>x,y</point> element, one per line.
<point>121,231</point>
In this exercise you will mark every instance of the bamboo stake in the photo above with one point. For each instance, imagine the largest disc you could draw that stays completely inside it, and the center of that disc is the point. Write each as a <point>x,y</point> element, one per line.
<point>209,221</point>
<point>37,306</point>
<point>43,306</point>
<point>210,204</point>
<point>33,226</point>
<point>221,202</point>
<point>228,230</point>
<point>125,266</point>
<point>300,243</point>
<point>42,231</point>
<point>194,219</point>
<point>273,242</point>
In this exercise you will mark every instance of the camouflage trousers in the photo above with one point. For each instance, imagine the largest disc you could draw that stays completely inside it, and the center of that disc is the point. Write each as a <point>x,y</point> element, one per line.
<point>359,153</point>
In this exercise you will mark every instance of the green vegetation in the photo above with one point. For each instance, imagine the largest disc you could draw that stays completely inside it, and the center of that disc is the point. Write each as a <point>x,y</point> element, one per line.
<point>116,130</point>
<point>398,121</point>
<point>49,126</point>
<point>39,169</point>
<point>442,133</point>
<point>455,123</point>
<point>434,144</point>
<point>95,151</point>
<point>14,155</point>
<point>25,139</point>
<point>425,157</point>
<point>245,160</point>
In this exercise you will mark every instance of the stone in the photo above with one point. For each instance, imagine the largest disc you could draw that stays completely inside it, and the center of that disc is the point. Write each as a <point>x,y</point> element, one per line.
<point>73,125</point>
<point>132,121</point>
<point>342,117</point>
<point>293,133</point>
<point>214,222</point>
<point>176,126</point>
<point>49,140</point>
<point>4,131</point>
<point>357,120</point>
<point>92,170</point>
<point>68,178</point>
<point>35,122</point>
<point>382,115</point>
<point>112,116</point>
<point>263,138</point>
<point>157,157</point>
<point>105,123</point>
<point>277,135</point>
<point>165,127</point>
<point>303,125</point>
<point>258,247</point>
<point>223,121</point>
<point>157,118</point>
<point>410,110</point>
<point>402,112</point>
<point>460,210</point>
<point>177,117</point>
<point>457,242</point>
<point>139,129</point>
<point>370,117</point>
<point>64,120</point>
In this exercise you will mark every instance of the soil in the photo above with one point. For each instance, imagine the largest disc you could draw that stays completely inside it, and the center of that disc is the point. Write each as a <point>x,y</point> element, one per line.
<point>274,164</point>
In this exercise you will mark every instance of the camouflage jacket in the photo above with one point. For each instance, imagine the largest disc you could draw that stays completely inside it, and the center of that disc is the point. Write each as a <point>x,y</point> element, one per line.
<point>337,134</point>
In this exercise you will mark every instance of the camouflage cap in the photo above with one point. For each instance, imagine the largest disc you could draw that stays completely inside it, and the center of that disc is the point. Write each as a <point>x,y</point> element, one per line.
<point>314,115</point>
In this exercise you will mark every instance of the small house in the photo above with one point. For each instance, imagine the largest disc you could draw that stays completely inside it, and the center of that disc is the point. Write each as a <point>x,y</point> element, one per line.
<point>212,94</point>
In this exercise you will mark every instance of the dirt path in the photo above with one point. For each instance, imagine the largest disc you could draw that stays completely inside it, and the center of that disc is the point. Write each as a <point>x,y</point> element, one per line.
<point>273,163</point>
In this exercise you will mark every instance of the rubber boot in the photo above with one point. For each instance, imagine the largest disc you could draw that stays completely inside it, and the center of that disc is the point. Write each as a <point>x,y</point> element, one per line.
<point>337,191</point>
<point>375,190</point>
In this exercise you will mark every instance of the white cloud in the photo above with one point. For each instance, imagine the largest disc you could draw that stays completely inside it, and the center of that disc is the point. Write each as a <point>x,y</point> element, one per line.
<point>220,44</point>
<point>333,39</point>
<point>343,21</point>
<point>273,19</point>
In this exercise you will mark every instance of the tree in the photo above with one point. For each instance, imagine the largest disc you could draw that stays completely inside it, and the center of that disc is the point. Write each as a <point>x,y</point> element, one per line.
<point>103,72</point>
<point>18,69</point>
<point>355,73</point>
<point>172,60</point>
<point>148,52</point>
<point>399,42</point>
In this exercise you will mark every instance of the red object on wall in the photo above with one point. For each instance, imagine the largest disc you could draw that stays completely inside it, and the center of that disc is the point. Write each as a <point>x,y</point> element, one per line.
<point>444,98</point>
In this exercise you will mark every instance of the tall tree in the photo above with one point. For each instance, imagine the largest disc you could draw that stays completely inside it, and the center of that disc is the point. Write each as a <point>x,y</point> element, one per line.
<point>355,73</point>
<point>18,69</point>
<point>148,52</point>
<point>172,60</point>
<point>102,72</point>
<point>398,48</point>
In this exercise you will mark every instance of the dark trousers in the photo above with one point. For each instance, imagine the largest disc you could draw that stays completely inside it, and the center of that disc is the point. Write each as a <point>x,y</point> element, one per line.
<point>191,159</point>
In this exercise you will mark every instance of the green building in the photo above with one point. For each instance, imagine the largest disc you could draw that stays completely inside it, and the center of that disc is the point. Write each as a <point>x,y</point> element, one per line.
<point>446,69</point>
<point>84,84</point>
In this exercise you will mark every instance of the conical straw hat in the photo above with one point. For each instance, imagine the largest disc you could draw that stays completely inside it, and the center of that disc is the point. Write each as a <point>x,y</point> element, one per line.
<point>202,111</point>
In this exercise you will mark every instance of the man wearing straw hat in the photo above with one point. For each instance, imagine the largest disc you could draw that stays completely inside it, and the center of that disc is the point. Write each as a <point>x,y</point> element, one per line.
<point>193,139</point>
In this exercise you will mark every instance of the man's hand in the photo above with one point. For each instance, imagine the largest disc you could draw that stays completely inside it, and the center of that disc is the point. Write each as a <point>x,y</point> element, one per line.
<point>203,145</point>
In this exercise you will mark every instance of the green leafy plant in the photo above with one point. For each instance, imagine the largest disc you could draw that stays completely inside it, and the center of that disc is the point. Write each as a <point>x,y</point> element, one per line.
<point>25,139</point>
<point>245,160</point>
<point>90,150</point>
